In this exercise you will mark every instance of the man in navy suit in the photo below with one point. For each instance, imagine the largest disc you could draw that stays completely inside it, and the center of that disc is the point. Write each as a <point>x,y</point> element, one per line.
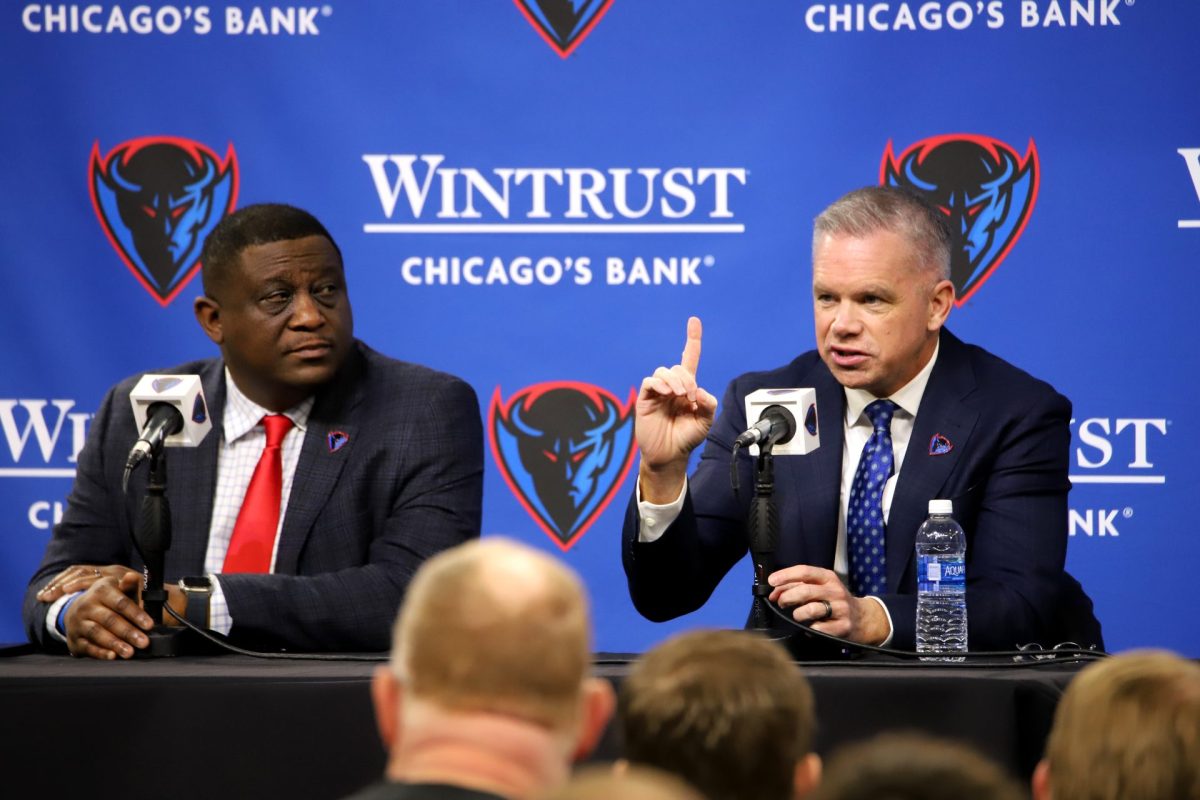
<point>380,465</point>
<point>964,425</point>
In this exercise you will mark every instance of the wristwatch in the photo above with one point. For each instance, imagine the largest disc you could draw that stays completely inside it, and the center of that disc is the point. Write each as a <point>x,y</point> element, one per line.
<point>198,591</point>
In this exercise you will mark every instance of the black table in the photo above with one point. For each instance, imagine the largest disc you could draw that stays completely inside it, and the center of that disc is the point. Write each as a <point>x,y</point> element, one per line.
<point>233,726</point>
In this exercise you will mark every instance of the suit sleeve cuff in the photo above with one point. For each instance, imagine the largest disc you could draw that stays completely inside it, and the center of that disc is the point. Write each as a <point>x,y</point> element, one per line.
<point>218,609</point>
<point>891,628</point>
<point>655,519</point>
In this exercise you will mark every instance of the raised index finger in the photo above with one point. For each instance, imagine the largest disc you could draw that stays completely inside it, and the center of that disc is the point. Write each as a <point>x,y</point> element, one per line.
<point>691,351</point>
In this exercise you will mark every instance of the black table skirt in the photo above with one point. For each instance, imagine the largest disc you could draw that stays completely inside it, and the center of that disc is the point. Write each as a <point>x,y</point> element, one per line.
<point>233,726</point>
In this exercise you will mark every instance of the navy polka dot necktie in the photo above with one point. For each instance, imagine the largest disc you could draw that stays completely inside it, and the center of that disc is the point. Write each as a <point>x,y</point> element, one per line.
<point>864,515</point>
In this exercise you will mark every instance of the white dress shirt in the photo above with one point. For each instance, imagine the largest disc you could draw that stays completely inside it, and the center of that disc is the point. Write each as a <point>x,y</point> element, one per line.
<point>856,430</point>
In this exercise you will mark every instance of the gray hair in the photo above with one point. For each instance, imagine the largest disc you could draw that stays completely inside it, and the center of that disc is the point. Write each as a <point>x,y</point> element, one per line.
<point>901,211</point>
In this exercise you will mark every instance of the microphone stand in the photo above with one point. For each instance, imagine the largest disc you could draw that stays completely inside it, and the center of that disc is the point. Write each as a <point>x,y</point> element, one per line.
<point>762,527</point>
<point>152,538</point>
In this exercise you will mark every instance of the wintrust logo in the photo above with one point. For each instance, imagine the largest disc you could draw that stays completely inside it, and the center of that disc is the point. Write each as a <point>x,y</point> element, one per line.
<point>1117,450</point>
<point>43,437</point>
<point>427,196</point>
<point>1113,453</point>
<point>1191,157</point>
<point>424,194</point>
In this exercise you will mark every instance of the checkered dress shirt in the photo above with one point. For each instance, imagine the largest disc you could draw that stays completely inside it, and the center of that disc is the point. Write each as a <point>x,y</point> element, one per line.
<point>237,456</point>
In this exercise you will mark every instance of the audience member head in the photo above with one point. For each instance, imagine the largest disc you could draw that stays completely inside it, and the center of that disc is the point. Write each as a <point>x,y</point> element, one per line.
<point>728,711</point>
<point>490,672</point>
<point>910,766</point>
<point>624,783</point>
<point>1127,726</point>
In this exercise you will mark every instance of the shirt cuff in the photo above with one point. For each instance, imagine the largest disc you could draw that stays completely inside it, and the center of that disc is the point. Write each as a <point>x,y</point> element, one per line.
<point>655,519</point>
<point>52,616</point>
<point>888,614</point>
<point>218,610</point>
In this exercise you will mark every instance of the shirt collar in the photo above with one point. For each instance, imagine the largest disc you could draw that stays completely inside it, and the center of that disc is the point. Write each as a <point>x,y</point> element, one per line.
<point>907,398</point>
<point>242,414</point>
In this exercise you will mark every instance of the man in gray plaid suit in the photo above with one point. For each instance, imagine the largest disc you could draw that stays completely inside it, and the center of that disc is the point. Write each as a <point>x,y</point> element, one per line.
<point>379,466</point>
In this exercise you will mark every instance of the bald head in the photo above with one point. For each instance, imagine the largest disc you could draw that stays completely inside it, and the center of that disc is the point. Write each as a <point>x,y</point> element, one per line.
<point>495,626</point>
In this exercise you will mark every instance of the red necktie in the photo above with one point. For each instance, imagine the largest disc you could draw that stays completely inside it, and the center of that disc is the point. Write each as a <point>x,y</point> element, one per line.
<point>253,538</point>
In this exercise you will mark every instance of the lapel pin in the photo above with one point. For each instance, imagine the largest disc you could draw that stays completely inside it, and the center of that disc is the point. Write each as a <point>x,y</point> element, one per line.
<point>337,440</point>
<point>939,445</point>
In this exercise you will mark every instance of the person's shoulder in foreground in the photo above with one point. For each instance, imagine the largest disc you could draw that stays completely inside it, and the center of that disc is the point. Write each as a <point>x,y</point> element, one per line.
<point>391,790</point>
<point>624,782</point>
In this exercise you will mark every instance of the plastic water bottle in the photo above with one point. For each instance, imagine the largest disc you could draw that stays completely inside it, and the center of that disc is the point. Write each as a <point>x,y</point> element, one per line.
<point>941,583</point>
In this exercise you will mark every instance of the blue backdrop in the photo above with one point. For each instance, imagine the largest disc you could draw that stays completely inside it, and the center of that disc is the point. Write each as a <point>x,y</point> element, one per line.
<point>535,202</point>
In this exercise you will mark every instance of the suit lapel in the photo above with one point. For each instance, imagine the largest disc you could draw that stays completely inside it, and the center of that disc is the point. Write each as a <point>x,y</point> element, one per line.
<point>923,475</point>
<point>328,443</point>
<point>192,481</point>
<point>818,478</point>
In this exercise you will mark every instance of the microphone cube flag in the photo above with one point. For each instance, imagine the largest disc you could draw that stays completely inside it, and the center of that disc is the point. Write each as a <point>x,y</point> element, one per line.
<point>803,405</point>
<point>184,393</point>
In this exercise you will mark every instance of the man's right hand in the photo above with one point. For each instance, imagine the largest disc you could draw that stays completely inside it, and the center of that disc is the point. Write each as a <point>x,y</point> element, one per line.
<point>672,417</point>
<point>105,622</point>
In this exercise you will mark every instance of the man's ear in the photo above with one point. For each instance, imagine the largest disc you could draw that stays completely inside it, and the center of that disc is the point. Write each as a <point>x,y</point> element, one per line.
<point>386,694</point>
<point>597,706</point>
<point>1041,781</point>
<point>941,300</point>
<point>208,314</point>
<point>807,776</point>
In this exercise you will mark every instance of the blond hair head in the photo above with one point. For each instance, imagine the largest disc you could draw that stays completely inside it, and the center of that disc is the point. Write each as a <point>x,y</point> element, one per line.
<point>1128,726</point>
<point>729,711</point>
<point>495,626</point>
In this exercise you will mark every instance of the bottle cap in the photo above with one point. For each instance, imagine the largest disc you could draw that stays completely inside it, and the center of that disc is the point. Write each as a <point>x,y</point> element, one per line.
<point>945,507</point>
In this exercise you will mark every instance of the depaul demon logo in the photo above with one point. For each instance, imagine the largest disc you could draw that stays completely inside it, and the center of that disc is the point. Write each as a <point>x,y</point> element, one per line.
<point>157,198</point>
<point>564,24</point>
<point>982,185</point>
<point>564,449</point>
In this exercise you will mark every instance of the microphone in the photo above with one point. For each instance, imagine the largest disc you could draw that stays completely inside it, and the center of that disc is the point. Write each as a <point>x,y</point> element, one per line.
<point>163,420</point>
<point>170,411</point>
<point>774,433</point>
<point>776,425</point>
<point>786,422</point>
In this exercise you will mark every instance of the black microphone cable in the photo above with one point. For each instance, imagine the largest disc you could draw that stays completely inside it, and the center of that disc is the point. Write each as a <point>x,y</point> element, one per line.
<point>224,643</point>
<point>910,658</point>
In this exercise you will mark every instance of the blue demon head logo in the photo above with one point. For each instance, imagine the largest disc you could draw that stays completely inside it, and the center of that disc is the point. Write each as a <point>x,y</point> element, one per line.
<point>982,186</point>
<point>158,198</point>
<point>564,24</point>
<point>564,448</point>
